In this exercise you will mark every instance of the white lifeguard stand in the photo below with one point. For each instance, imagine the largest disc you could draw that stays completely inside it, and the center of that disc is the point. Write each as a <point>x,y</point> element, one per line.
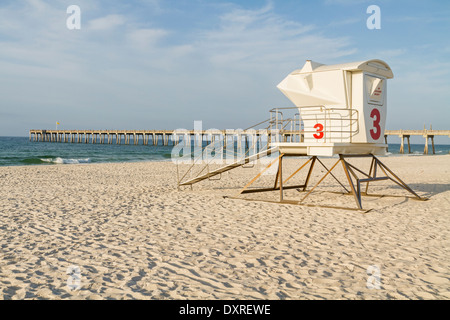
<point>342,107</point>
<point>341,111</point>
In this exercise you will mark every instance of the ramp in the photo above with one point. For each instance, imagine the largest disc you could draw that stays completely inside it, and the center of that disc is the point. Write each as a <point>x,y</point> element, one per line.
<point>229,167</point>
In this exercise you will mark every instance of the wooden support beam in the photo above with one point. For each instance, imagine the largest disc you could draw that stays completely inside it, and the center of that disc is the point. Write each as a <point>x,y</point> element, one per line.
<point>402,145</point>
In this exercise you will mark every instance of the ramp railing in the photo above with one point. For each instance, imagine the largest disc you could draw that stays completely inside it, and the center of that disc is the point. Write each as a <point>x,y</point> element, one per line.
<point>315,124</point>
<point>204,165</point>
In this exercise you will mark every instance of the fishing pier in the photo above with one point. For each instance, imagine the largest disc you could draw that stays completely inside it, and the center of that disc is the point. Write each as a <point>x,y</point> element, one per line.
<point>151,137</point>
<point>173,137</point>
<point>406,134</point>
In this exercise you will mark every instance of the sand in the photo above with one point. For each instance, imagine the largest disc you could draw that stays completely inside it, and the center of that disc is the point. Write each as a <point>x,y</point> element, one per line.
<point>126,232</point>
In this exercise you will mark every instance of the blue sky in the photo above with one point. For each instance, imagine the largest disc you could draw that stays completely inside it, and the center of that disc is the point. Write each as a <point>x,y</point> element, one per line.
<point>155,64</point>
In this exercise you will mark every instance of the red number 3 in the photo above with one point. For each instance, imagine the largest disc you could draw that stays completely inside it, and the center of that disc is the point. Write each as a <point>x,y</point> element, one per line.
<point>319,130</point>
<point>375,114</point>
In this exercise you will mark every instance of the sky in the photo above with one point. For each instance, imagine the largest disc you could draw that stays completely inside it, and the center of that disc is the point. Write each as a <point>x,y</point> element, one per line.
<point>162,64</point>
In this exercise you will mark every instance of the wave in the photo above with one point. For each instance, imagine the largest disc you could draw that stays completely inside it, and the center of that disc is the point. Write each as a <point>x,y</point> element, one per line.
<point>28,161</point>
<point>66,161</point>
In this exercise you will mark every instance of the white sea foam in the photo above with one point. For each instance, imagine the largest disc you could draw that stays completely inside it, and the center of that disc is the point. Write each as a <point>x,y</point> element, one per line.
<point>66,161</point>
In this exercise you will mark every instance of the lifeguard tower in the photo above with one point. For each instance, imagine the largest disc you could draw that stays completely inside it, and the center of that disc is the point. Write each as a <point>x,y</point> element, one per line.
<point>342,107</point>
<point>341,111</point>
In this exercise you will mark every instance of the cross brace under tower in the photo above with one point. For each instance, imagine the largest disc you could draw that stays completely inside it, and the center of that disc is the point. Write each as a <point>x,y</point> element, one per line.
<point>354,182</point>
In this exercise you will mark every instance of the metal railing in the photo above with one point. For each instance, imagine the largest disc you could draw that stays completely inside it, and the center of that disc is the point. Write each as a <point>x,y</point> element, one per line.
<point>337,124</point>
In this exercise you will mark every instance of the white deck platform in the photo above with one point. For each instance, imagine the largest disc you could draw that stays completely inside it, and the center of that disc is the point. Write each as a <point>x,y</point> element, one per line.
<point>329,149</point>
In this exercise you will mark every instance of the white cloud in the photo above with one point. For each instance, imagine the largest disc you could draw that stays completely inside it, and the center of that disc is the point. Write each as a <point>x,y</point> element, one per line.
<point>260,38</point>
<point>143,38</point>
<point>107,22</point>
<point>345,22</point>
<point>38,5</point>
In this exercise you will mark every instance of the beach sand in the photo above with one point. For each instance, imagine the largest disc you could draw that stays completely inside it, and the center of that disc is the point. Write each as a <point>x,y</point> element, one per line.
<point>133,235</point>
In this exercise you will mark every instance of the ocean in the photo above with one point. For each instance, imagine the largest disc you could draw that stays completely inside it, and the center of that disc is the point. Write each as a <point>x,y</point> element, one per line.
<point>19,151</point>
